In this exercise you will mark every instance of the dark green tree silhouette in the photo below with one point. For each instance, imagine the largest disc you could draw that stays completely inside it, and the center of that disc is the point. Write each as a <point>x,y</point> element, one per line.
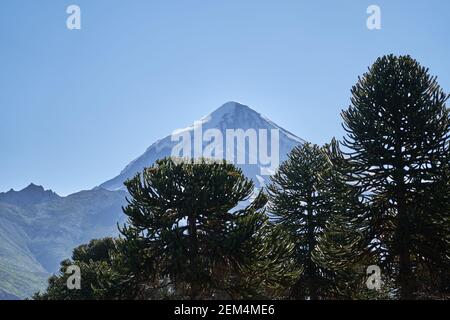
<point>189,219</point>
<point>343,249</point>
<point>94,261</point>
<point>299,204</point>
<point>398,133</point>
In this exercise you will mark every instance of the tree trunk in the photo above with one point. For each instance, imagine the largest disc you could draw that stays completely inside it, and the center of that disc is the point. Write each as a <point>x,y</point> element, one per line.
<point>403,230</point>
<point>405,270</point>
<point>312,285</point>
<point>195,288</point>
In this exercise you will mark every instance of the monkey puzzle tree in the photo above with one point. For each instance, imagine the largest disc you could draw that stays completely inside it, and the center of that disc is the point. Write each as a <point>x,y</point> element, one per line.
<point>190,217</point>
<point>299,204</point>
<point>94,261</point>
<point>398,133</point>
<point>342,247</point>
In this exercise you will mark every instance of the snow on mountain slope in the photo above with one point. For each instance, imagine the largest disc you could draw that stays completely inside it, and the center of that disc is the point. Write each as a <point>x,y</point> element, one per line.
<point>233,117</point>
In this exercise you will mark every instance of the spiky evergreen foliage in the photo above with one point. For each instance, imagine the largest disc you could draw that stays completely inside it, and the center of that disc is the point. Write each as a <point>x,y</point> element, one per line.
<point>336,251</point>
<point>275,270</point>
<point>342,248</point>
<point>398,132</point>
<point>299,204</point>
<point>181,214</point>
<point>94,260</point>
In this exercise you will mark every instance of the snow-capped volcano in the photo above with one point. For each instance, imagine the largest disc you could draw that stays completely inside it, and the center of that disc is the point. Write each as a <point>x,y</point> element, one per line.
<point>32,251</point>
<point>233,132</point>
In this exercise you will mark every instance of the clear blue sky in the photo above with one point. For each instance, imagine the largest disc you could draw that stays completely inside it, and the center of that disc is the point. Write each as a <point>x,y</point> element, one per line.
<point>77,106</point>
